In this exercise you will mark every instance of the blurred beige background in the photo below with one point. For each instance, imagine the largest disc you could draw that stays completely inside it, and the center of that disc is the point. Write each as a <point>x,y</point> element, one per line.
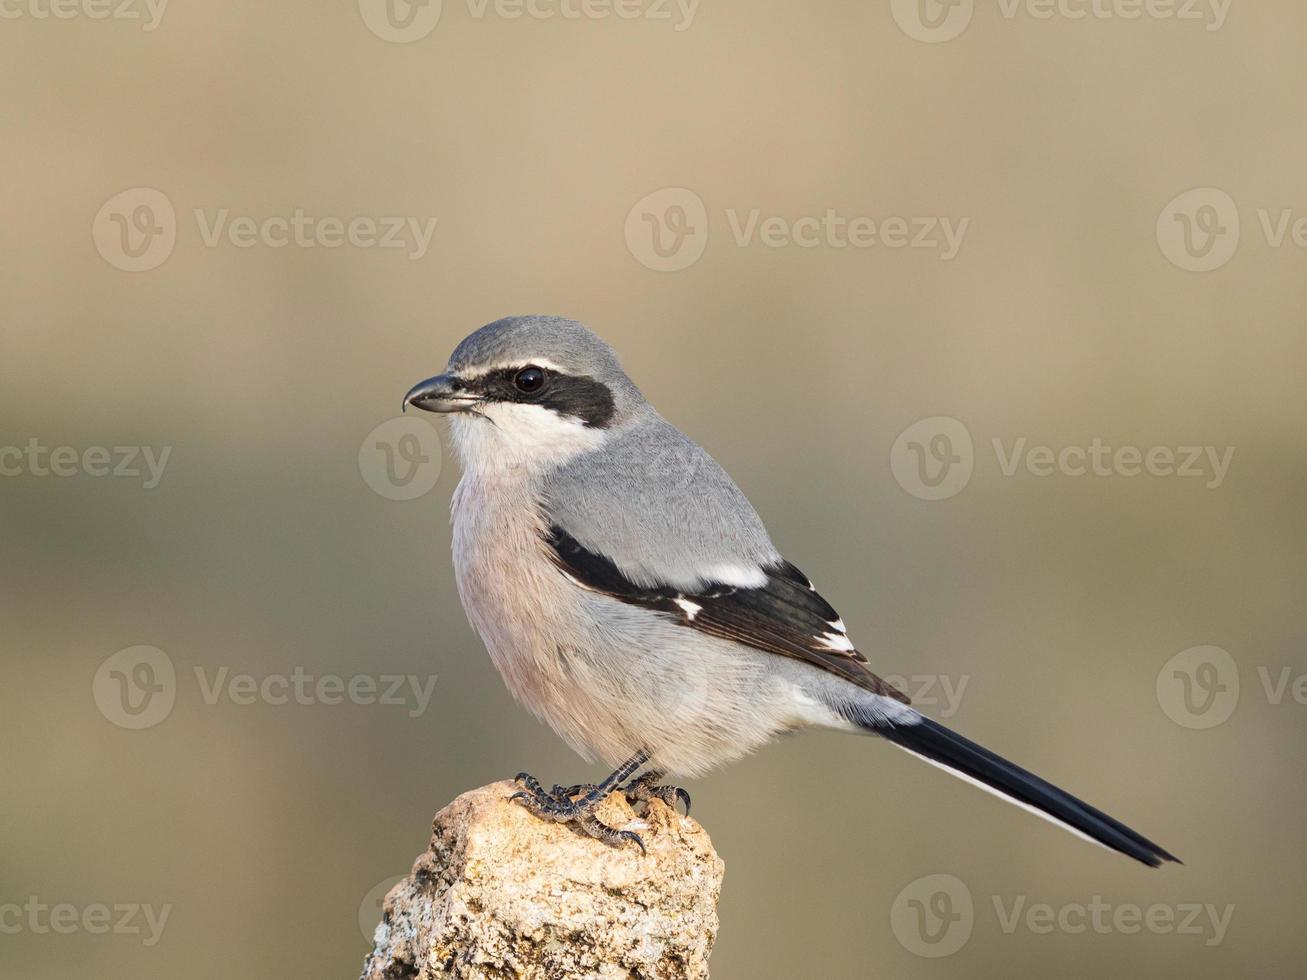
<point>1068,313</point>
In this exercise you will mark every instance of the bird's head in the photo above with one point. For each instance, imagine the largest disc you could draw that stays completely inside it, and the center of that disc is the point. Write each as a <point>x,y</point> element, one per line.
<point>529,392</point>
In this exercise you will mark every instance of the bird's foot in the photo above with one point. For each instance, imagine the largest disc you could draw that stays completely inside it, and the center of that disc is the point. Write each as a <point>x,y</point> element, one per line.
<point>557,805</point>
<point>646,788</point>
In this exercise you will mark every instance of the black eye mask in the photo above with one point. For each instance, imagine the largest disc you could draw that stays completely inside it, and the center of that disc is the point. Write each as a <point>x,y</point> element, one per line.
<point>577,396</point>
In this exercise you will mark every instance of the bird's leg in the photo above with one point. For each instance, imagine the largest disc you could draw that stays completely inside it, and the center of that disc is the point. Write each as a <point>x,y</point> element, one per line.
<point>559,806</point>
<point>646,788</point>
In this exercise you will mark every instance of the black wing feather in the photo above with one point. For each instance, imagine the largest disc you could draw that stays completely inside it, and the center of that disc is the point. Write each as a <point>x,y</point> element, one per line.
<point>785,615</point>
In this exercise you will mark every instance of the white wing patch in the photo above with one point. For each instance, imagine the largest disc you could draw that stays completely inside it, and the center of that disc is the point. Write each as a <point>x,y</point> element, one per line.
<point>691,609</point>
<point>837,642</point>
<point>740,576</point>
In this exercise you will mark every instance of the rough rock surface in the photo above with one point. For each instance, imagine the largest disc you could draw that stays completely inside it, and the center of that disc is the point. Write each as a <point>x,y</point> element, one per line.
<point>502,894</point>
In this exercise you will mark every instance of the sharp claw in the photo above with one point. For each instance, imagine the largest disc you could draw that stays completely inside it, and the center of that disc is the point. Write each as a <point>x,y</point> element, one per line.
<point>521,777</point>
<point>684,797</point>
<point>632,836</point>
<point>519,796</point>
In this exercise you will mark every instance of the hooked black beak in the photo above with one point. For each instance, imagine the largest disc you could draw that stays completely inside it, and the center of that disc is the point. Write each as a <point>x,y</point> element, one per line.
<point>444,393</point>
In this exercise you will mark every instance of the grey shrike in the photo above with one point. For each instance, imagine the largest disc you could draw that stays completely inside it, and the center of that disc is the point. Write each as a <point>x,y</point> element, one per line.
<point>630,597</point>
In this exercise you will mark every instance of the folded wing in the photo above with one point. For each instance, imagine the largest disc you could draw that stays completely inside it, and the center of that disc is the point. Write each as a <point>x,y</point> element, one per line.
<point>782,613</point>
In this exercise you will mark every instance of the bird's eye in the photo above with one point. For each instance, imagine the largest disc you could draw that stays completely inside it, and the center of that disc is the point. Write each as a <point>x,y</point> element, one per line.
<point>529,380</point>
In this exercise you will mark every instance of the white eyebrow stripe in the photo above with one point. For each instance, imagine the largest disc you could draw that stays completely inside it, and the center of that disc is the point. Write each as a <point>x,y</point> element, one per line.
<point>517,362</point>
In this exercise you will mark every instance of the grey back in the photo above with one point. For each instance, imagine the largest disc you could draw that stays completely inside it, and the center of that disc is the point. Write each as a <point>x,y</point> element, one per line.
<point>657,505</point>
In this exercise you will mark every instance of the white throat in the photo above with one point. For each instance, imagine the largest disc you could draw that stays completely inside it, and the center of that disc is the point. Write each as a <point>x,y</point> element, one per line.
<point>523,438</point>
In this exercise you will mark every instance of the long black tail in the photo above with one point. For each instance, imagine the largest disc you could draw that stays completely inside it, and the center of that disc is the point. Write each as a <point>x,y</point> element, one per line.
<point>962,757</point>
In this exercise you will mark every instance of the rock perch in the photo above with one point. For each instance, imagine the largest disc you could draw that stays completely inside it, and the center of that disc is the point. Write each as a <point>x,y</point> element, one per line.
<point>500,894</point>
